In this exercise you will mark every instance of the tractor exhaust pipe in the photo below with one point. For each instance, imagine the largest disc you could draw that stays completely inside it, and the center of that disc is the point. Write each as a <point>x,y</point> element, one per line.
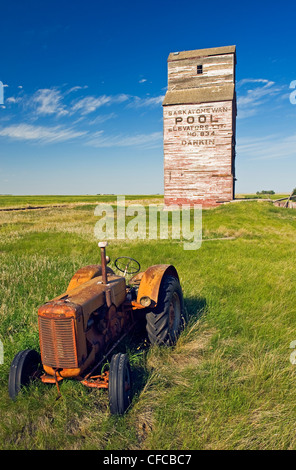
<point>102,246</point>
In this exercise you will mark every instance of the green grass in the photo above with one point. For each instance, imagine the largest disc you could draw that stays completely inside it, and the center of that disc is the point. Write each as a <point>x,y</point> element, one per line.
<point>7,201</point>
<point>227,384</point>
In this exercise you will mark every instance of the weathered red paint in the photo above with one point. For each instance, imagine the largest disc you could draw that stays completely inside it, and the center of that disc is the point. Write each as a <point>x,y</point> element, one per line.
<point>199,112</point>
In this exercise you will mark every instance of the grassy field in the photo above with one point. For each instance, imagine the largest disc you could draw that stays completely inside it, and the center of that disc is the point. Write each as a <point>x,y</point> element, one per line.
<point>227,384</point>
<point>261,196</point>
<point>7,201</point>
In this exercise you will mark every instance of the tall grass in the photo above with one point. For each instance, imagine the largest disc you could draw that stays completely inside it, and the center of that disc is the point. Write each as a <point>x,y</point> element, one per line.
<point>227,384</point>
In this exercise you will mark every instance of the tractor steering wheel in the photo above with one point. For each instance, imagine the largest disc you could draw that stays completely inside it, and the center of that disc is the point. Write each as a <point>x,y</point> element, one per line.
<point>127,265</point>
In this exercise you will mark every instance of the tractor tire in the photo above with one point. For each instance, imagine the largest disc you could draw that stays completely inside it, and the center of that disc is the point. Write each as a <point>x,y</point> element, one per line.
<point>120,384</point>
<point>24,368</point>
<point>164,323</point>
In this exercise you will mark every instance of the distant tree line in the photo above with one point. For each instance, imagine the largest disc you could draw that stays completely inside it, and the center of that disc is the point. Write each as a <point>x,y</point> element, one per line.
<point>265,192</point>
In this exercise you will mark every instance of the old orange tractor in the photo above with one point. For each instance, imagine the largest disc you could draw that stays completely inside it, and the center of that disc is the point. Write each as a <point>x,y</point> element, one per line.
<point>80,329</point>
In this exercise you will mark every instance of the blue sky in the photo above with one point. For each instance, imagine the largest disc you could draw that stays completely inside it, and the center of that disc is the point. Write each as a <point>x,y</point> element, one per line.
<point>84,82</point>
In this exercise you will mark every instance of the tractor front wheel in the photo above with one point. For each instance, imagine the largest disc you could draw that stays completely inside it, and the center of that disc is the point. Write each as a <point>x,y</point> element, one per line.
<point>120,384</point>
<point>165,321</point>
<point>24,368</point>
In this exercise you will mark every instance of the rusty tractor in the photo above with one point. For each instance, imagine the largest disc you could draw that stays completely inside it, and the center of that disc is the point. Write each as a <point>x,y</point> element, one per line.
<point>80,329</point>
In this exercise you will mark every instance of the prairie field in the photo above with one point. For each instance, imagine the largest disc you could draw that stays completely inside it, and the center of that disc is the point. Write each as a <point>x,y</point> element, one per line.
<point>228,383</point>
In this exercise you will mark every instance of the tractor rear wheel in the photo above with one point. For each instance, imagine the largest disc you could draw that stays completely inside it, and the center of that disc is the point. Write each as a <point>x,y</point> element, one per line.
<point>24,368</point>
<point>120,384</point>
<point>165,321</point>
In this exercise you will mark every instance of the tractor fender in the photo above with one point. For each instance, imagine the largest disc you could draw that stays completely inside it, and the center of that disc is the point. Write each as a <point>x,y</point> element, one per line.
<point>151,280</point>
<point>86,274</point>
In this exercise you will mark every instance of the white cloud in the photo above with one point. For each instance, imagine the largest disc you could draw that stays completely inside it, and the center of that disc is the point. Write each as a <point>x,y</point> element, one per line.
<point>102,118</point>
<point>144,140</point>
<point>149,102</point>
<point>13,100</point>
<point>76,88</point>
<point>89,104</point>
<point>254,80</point>
<point>40,134</point>
<point>253,96</point>
<point>43,134</point>
<point>273,146</point>
<point>143,80</point>
<point>48,101</point>
<point>259,91</point>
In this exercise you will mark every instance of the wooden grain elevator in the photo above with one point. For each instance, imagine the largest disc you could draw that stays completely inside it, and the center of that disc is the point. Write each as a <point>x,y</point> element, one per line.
<point>199,126</point>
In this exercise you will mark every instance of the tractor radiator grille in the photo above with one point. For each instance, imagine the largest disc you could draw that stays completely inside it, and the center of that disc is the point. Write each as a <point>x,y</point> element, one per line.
<point>57,342</point>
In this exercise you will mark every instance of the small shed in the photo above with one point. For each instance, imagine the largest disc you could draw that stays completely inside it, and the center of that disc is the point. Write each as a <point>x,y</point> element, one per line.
<point>199,119</point>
